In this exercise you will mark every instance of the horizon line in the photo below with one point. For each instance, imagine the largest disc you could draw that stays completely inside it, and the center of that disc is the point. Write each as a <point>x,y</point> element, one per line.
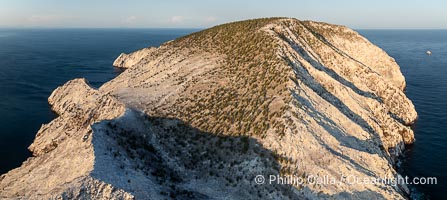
<point>198,28</point>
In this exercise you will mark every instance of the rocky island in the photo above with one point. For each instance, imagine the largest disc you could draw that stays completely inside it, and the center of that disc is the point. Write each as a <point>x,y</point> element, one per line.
<point>202,116</point>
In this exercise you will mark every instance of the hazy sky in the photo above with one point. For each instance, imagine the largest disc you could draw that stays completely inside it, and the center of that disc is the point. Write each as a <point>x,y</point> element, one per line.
<point>204,13</point>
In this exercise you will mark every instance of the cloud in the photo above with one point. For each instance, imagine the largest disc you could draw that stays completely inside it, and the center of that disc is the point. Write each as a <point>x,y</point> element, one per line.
<point>176,19</point>
<point>210,19</point>
<point>41,18</point>
<point>130,19</point>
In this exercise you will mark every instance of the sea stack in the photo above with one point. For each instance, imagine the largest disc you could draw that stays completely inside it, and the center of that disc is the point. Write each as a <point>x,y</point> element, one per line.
<point>204,116</point>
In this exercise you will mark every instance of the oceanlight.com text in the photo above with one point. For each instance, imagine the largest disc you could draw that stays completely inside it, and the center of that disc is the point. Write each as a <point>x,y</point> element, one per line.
<point>344,179</point>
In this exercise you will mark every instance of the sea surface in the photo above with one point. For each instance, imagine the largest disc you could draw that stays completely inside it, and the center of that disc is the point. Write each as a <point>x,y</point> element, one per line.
<point>426,78</point>
<point>33,62</point>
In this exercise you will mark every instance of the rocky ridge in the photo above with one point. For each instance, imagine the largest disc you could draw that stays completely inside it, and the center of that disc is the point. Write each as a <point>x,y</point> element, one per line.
<point>199,117</point>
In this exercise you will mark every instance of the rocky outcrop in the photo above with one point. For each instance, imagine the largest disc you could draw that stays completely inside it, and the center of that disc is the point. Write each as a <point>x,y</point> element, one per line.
<point>128,60</point>
<point>202,116</point>
<point>63,151</point>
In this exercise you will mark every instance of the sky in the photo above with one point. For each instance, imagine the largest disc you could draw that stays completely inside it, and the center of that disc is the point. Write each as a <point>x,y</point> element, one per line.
<point>358,14</point>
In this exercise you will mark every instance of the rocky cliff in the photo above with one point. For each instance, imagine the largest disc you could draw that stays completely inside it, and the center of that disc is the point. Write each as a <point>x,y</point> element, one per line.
<point>202,116</point>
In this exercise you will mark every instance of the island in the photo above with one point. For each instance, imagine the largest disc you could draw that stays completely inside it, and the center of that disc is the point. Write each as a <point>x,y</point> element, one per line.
<point>219,113</point>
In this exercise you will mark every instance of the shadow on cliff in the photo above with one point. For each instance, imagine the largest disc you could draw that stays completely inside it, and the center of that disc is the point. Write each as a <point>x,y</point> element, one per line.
<point>319,66</point>
<point>339,135</point>
<point>302,73</point>
<point>333,47</point>
<point>165,157</point>
<point>330,126</point>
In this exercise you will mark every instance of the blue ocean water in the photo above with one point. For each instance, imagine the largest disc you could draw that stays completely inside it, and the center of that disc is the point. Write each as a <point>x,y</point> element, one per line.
<point>426,78</point>
<point>33,62</point>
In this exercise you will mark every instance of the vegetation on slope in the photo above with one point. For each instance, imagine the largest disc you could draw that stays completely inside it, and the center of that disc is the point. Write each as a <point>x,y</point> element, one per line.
<point>256,94</point>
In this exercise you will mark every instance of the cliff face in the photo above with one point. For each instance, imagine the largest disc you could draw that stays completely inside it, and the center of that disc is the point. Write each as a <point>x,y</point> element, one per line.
<point>203,115</point>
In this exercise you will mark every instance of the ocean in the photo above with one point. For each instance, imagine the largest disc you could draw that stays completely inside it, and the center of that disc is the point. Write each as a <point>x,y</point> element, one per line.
<point>33,62</point>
